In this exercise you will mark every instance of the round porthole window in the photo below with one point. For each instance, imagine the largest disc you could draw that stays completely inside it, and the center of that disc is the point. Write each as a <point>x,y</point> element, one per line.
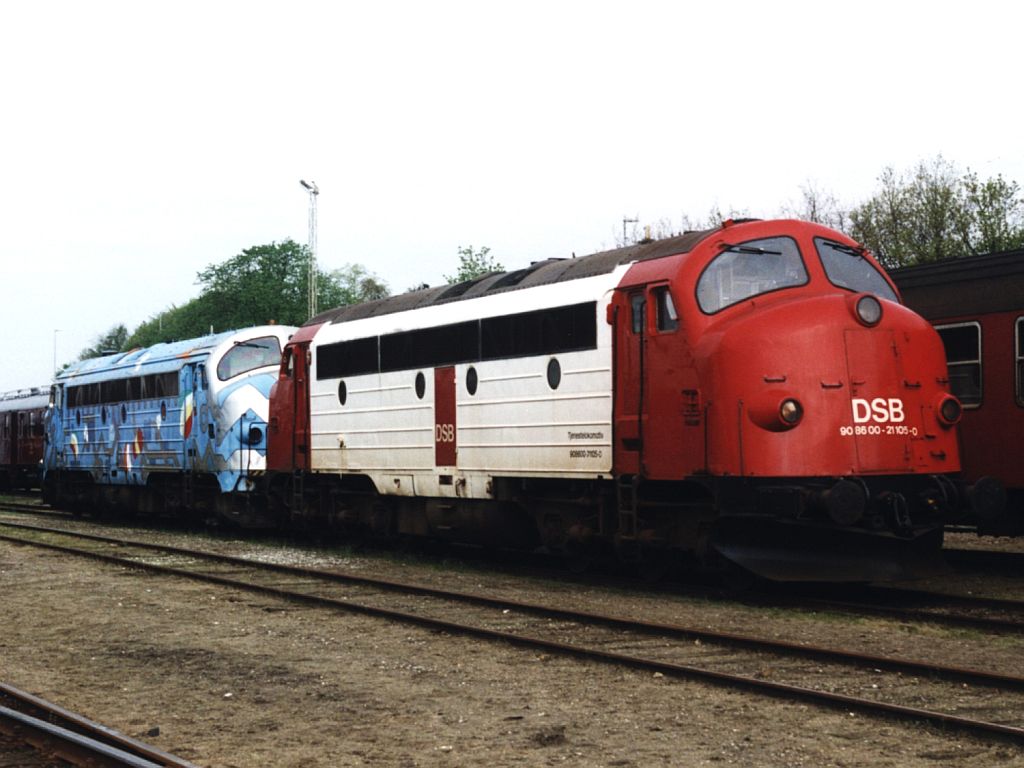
<point>342,392</point>
<point>421,385</point>
<point>471,380</point>
<point>554,373</point>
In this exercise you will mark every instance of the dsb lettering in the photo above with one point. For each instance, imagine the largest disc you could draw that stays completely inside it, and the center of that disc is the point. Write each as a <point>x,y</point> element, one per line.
<point>879,410</point>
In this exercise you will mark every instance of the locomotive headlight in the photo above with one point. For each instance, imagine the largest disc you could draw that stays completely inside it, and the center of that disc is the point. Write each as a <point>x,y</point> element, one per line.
<point>949,411</point>
<point>255,435</point>
<point>791,412</point>
<point>869,310</point>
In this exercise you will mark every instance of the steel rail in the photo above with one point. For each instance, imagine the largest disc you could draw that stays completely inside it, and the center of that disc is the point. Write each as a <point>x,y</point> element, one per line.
<point>926,596</point>
<point>988,623</point>
<point>779,690</point>
<point>75,738</point>
<point>18,506</point>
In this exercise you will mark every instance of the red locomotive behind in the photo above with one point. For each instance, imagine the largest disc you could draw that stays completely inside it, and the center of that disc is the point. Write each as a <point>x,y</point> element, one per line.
<point>977,305</point>
<point>21,437</point>
<point>754,394</point>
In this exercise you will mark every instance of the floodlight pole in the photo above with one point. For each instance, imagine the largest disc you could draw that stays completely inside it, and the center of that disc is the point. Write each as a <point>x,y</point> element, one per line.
<point>314,191</point>
<point>55,332</point>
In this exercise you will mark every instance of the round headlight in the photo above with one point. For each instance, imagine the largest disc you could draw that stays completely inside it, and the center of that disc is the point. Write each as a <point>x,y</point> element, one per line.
<point>869,310</point>
<point>791,411</point>
<point>950,411</point>
<point>255,435</point>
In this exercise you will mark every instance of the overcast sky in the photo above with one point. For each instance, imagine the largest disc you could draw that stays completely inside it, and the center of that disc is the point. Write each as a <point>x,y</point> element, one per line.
<point>141,142</point>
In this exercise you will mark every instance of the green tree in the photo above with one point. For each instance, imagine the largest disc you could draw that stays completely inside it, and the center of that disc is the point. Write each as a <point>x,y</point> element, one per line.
<point>351,284</point>
<point>993,215</point>
<point>935,212</point>
<point>262,284</point>
<point>473,264</point>
<point>114,340</point>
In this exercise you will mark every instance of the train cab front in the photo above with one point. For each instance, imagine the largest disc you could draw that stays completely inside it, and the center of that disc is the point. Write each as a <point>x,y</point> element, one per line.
<point>832,449</point>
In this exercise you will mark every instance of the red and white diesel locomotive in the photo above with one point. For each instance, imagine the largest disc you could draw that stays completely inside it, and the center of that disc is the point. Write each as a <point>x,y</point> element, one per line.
<point>753,394</point>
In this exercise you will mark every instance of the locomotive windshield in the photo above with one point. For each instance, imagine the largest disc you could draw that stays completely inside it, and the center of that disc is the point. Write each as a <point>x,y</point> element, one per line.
<point>847,268</point>
<point>248,355</point>
<point>750,269</point>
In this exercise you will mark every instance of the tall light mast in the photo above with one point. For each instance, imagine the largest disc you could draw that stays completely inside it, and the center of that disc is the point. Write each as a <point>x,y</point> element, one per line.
<point>314,191</point>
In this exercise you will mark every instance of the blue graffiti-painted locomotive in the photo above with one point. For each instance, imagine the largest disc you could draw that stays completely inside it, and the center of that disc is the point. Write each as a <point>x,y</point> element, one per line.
<point>177,428</point>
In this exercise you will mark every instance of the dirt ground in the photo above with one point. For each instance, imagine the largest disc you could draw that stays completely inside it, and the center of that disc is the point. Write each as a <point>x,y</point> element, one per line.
<point>230,679</point>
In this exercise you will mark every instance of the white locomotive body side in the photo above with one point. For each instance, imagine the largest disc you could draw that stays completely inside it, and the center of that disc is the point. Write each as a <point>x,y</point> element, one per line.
<point>515,423</point>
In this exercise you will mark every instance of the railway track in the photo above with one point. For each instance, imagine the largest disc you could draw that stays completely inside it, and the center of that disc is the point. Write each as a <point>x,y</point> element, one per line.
<point>897,604</point>
<point>665,649</point>
<point>58,733</point>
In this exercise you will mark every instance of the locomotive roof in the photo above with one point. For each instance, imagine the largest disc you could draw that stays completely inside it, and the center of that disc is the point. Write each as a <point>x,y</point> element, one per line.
<point>157,358</point>
<point>990,282</point>
<point>25,399</point>
<point>539,273</point>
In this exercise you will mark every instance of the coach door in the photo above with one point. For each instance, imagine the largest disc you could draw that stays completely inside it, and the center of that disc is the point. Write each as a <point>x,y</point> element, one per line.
<point>288,433</point>
<point>5,438</point>
<point>628,309</point>
<point>288,438</point>
<point>445,448</point>
<point>190,417</point>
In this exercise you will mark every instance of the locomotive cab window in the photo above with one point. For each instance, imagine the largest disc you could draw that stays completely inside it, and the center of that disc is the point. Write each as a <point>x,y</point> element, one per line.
<point>667,318</point>
<point>745,270</point>
<point>847,267</point>
<point>1020,360</point>
<point>963,356</point>
<point>249,355</point>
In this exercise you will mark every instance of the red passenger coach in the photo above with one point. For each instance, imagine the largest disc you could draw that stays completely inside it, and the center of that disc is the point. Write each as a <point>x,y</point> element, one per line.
<point>977,305</point>
<point>754,394</point>
<point>21,437</point>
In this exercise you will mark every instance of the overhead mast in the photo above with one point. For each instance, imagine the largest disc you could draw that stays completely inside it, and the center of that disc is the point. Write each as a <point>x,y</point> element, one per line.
<point>314,191</point>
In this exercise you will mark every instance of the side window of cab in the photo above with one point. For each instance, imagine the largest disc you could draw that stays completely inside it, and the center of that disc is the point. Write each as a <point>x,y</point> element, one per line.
<point>666,319</point>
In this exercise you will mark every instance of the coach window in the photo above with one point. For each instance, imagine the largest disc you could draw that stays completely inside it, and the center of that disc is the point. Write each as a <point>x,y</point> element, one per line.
<point>749,269</point>
<point>1020,361</point>
<point>963,355</point>
<point>667,319</point>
